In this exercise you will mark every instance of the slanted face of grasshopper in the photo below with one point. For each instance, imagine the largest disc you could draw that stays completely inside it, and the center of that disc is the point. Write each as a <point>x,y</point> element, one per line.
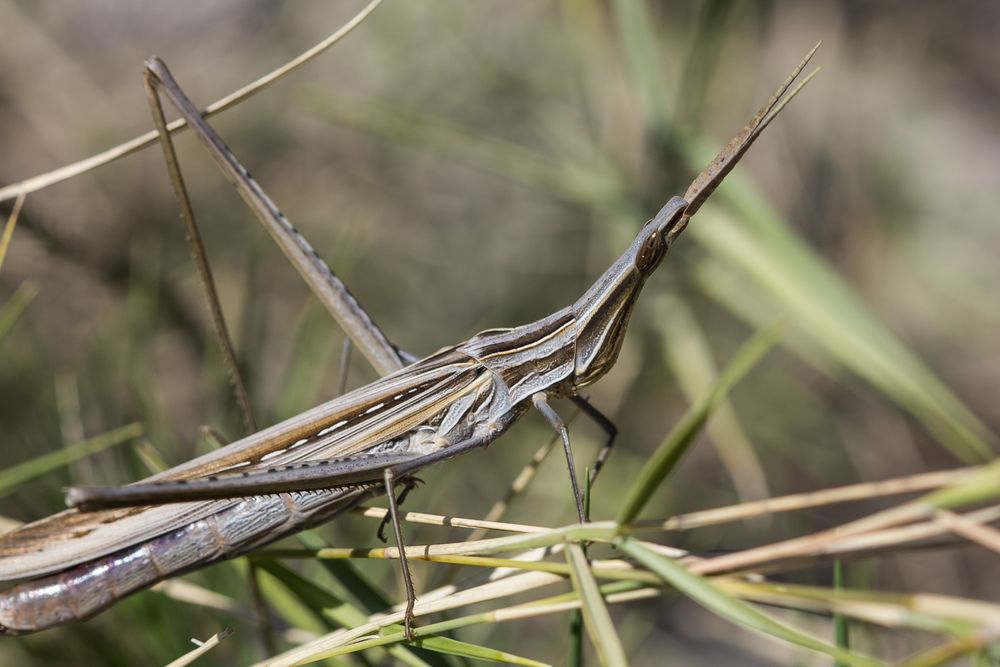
<point>328,459</point>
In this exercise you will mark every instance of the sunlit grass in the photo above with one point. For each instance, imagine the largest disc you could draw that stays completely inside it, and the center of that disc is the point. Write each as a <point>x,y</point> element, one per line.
<point>323,598</point>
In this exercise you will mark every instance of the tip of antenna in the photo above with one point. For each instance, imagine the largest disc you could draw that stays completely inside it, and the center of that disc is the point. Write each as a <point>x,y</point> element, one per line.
<point>81,498</point>
<point>73,496</point>
<point>706,182</point>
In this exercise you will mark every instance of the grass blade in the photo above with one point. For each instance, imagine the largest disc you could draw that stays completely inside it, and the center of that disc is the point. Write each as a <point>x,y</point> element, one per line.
<point>596,618</point>
<point>702,59</point>
<point>299,602</point>
<point>702,591</point>
<point>575,657</point>
<point>841,627</point>
<point>368,599</point>
<point>201,649</point>
<point>947,653</point>
<point>347,576</point>
<point>680,438</point>
<point>11,311</point>
<point>149,138</point>
<point>21,473</point>
<point>8,230</point>
<point>824,307</point>
<point>642,52</point>
<point>329,609</point>
<point>689,358</point>
<point>981,487</point>
<point>593,185</point>
<point>925,612</point>
<point>449,646</point>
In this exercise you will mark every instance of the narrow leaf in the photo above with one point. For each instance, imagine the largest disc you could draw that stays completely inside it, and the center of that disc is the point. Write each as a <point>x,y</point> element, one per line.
<point>330,609</point>
<point>637,32</point>
<point>21,473</point>
<point>595,613</point>
<point>945,654</point>
<point>319,600</point>
<point>841,626</point>
<point>201,649</point>
<point>462,649</point>
<point>300,603</point>
<point>821,304</point>
<point>347,575</point>
<point>981,487</point>
<point>11,311</point>
<point>702,591</point>
<point>690,360</point>
<point>8,230</point>
<point>680,438</point>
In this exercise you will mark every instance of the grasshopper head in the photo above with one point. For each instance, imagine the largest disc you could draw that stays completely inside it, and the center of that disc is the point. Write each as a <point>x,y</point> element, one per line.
<point>602,313</point>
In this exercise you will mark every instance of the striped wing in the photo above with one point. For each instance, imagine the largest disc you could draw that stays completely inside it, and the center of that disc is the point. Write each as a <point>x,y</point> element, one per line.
<point>343,427</point>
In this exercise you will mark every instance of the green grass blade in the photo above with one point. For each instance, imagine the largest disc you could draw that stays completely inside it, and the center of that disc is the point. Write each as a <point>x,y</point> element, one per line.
<point>946,654</point>
<point>982,487</point>
<point>8,229</point>
<point>347,576</point>
<point>929,613</point>
<point>823,306</point>
<point>367,598</point>
<point>300,602</point>
<point>393,634</point>
<point>707,39</point>
<point>12,310</point>
<point>150,457</point>
<point>702,591</point>
<point>41,465</point>
<point>327,608</point>
<point>595,613</point>
<point>728,286</point>
<point>841,626</point>
<point>596,185</point>
<point>449,646</point>
<point>487,617</point>
<point>642,53</point>
<point>683,434</point>
<point>689,357</point>
<point>574,656</point>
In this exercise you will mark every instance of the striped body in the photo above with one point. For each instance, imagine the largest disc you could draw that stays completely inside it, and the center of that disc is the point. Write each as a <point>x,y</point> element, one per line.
<point>78,563</point>
<point>86,589</point>
<point>475,390</point>
<point>437,401</point>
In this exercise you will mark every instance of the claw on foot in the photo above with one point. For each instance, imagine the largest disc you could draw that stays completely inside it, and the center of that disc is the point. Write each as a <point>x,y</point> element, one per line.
<point>408,621</point>
<point>409,484</point>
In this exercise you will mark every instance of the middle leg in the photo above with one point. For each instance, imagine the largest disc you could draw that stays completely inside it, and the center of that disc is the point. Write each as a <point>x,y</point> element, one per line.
<point>609,428</point>
<point>541,403</point>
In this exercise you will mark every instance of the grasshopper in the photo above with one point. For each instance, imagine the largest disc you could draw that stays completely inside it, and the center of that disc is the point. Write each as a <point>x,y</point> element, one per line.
<point>307,469</point>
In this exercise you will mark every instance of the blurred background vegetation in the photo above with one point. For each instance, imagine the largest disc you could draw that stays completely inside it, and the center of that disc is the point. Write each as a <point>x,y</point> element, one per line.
<point>470,165</point>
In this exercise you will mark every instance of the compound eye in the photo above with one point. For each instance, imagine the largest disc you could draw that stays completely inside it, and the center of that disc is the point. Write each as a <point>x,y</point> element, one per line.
<point>651,253</point>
